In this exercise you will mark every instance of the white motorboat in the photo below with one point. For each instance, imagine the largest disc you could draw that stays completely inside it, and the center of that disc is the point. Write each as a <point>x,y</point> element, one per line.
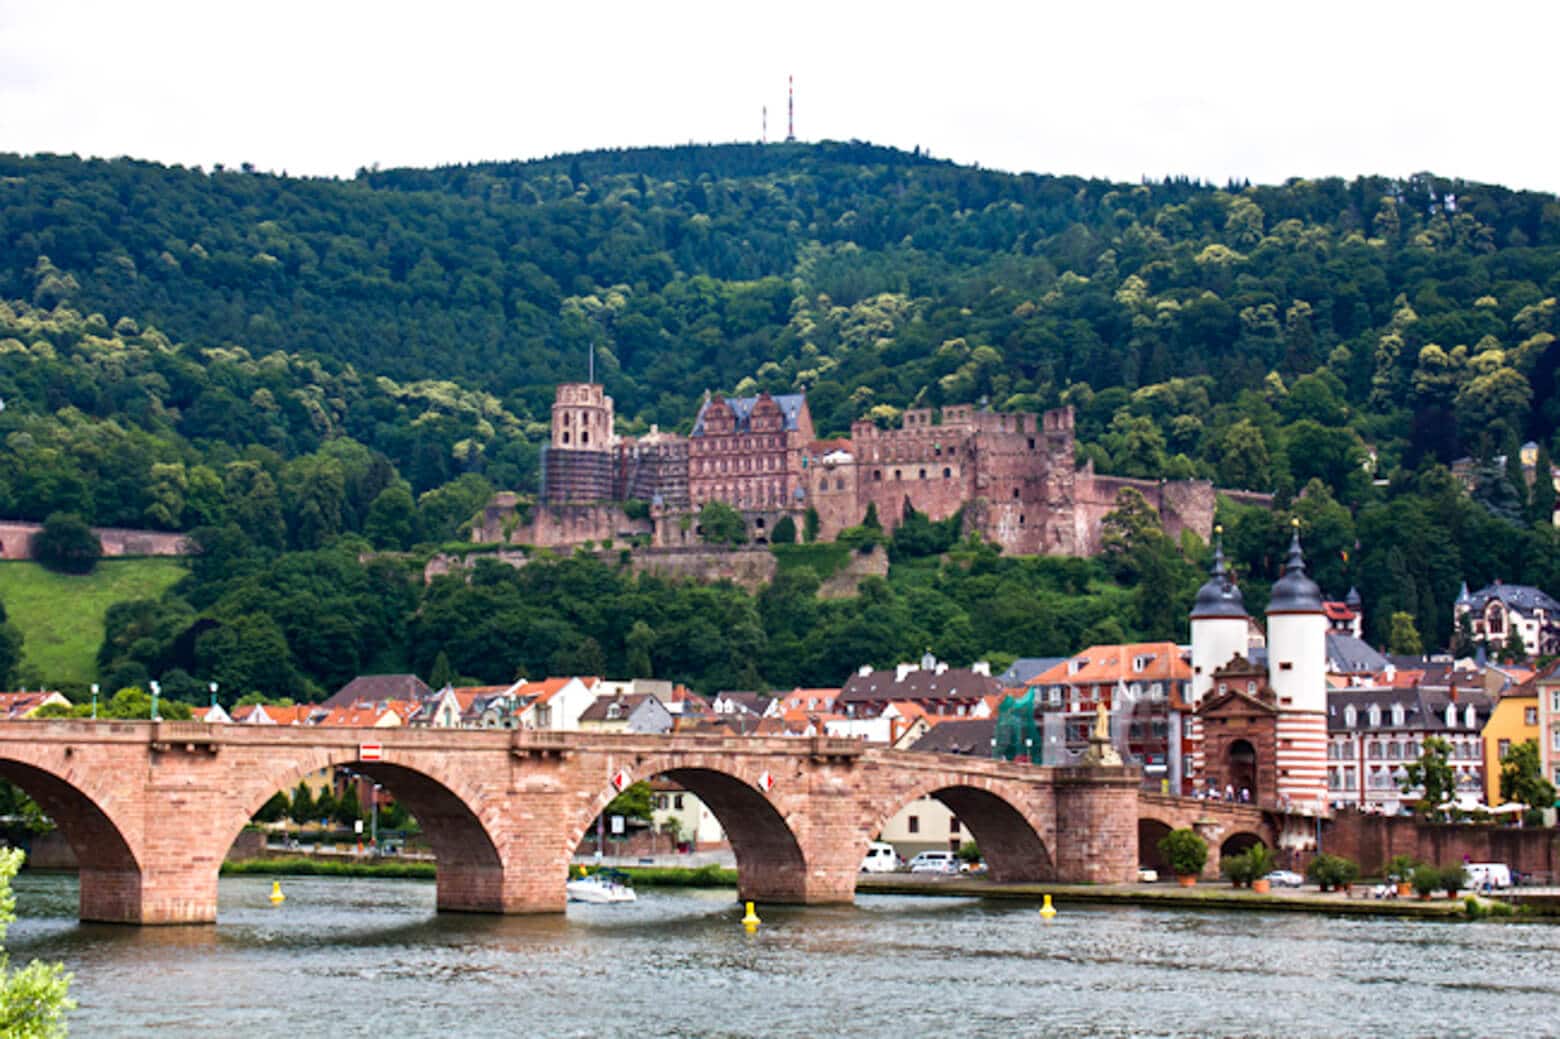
<point>601,888</point>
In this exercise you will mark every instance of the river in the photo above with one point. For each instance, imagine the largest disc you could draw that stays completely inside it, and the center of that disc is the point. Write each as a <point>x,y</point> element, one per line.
<point>348,957</point>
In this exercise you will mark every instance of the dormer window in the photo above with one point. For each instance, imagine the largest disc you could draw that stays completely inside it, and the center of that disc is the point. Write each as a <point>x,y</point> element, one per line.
<point>1375,716</point>
<point>1351,717</point>
<point>1140,663</point>
<point>1451,716</point>
<point>1397,715</point>
<point>1470,717</point>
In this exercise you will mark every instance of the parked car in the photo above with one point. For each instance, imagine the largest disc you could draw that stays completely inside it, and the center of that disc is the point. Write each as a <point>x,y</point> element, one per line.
<point>881,858</point>
<point>1493,875</point>
<point>1148,875</point>
<point>935,862</point>
<point>1285,878</point>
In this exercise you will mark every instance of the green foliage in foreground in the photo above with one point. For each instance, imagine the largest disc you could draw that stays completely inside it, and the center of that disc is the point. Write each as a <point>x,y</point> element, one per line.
<point>305,866</point>
<point>35,999</point>
<point>1185,851</point>
<point>60,616</point>
<point>682,876</point>
<point>302,866</point>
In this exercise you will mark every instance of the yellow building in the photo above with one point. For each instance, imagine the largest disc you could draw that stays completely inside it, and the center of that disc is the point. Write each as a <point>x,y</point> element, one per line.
<point>1514,719</point>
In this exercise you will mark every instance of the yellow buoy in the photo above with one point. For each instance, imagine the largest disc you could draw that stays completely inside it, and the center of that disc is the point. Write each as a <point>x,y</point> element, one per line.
<point>1047,910</point>
<point>751,920</point>
<point>277,898</point>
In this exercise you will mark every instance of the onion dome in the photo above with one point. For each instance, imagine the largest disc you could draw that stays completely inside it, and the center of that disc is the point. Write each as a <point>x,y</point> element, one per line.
<point>1220,596</point>
<point>1295,592</point>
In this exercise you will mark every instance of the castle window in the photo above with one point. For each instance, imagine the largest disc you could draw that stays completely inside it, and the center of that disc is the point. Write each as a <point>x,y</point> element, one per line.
<point>1031,443</point>
<point>585,437</point>
<point>877,474</point>
<point>898,475</point>
<point>921,474</point>
<point>565,438</point>
<point>947,473</point>
<point>839,485</point>
<point>1015,492</point>
<point>568,418</point>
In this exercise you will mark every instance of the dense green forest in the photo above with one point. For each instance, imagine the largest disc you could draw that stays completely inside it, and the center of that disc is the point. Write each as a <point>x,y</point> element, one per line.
<point>293,367</point>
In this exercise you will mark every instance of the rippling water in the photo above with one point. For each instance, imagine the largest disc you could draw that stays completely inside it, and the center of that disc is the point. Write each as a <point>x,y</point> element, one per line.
<point>372,958</point>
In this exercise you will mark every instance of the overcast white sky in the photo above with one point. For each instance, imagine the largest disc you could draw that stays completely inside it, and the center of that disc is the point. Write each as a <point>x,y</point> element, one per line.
<point>1259,90</point>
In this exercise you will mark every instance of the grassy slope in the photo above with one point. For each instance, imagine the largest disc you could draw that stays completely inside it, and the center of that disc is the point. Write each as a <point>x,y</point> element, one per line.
<point>62,616</point>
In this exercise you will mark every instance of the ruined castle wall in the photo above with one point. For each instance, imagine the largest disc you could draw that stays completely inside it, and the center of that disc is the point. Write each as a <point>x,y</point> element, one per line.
<point>933,467</point>
<point>558,526</point>
<point>834,491</point>
<point>16,541</point>
<point>1181,504</point>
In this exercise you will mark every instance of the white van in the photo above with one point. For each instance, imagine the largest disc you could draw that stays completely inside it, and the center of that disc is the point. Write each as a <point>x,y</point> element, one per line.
<point>881,858</point>
<point>1488,874</point>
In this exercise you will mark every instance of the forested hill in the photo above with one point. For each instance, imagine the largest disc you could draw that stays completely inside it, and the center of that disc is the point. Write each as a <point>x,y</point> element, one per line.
<point>873,276</point>
<point>292,360</point>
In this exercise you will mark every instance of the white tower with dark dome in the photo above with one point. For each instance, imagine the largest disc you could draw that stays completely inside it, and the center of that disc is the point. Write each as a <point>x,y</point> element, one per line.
<point>1220,629</point>
<point>1297,673</point>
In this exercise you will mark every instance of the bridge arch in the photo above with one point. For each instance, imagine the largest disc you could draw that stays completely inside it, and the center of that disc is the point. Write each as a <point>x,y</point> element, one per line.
<point>771,863</point>
<point>1150,832</point>
<point>102,834</point>
<point>468,866</point>
<point>1238,843</point>
<point>1012,842</point>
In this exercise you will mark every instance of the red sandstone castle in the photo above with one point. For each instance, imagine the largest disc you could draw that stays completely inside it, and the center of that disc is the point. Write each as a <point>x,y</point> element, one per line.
<point>1013,474</point>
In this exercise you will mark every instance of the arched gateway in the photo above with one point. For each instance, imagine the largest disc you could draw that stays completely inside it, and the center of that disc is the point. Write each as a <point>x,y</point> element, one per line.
<point>151,808</point>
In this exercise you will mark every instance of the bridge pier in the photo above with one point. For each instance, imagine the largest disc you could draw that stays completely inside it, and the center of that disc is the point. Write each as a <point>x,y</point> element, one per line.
<point>1096,824</point>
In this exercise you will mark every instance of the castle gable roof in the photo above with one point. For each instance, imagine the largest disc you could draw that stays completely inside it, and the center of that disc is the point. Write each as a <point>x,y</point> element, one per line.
<point>790,405</point>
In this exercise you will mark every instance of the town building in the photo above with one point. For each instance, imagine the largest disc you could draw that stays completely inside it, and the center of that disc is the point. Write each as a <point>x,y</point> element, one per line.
<point>26,704</point>
<point>933,686</point>
<point>1373,735</point>
<point>1012,475</point>
<point>1513,720</point>
<point>1501,612</point>
<point>1546,687</point>
<point>1144,685</point>
<point>626,712</point>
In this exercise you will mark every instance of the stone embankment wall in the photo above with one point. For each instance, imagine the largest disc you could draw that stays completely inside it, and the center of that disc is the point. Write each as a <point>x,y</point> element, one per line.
<point>750,568</point>
<point>1371,840</point>
<point>16,541</point>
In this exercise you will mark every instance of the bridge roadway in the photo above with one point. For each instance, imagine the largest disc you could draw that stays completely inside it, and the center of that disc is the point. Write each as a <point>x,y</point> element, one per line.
<point>151,808</point>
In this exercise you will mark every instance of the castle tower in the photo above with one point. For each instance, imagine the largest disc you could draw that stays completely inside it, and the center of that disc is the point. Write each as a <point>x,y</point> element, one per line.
<point>1297,674</point>
<point>581,417</point>
<point>577,461</point>
<point>1219,626</point>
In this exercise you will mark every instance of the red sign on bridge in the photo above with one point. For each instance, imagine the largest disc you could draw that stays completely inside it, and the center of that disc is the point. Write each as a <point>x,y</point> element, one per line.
<point>371,752</point>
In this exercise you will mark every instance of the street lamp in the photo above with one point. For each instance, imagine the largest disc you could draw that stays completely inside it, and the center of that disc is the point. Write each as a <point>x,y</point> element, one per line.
<point>156,692</point>
<point>373,815</point>
<point>94,700</point>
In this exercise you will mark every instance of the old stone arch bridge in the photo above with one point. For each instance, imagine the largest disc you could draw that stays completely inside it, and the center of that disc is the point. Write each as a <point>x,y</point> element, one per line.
<point>151,808</point>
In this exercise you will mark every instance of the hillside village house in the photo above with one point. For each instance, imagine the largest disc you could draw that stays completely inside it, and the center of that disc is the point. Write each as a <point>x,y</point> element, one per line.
<point>1374,734</point>
<point>1500,612</point>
